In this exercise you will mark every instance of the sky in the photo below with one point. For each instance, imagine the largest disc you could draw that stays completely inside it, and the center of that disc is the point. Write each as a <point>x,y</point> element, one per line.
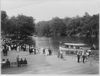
<point>47,9</point>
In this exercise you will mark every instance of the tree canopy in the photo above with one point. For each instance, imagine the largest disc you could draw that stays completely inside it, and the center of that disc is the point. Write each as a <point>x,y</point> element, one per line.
<point>25,26</point>
<point>86,25</point>
<point>20,26</point>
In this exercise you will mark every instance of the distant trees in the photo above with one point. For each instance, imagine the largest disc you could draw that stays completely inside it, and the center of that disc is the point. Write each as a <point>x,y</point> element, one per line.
<point>57,26</point>
<point>86,25</point>
<point>19,26</point>
<point>42,28</point>
<point>24,25</point>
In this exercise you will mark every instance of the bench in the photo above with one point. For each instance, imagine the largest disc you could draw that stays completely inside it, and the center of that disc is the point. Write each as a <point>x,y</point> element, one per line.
<point>12,64</point>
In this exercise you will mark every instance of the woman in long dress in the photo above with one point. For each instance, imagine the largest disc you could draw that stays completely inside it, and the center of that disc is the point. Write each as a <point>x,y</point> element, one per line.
<point>47,52</point>
<point>18,48</point>
<point>41,50</point>
<point>61,53</point>
<point>9,48</point>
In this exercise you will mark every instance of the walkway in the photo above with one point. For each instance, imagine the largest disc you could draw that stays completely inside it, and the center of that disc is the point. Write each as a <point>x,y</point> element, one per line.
<point>40,64</point>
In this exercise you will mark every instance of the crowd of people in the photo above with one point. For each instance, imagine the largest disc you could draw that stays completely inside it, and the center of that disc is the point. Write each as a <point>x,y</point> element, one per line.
<point>21,47</point>
<point>18,47</point>
<point>82,56</point>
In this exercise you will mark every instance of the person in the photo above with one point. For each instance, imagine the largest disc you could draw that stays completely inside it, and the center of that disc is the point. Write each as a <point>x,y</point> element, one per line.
<point>84,57</point>
<point>58,53</point>
<point>34,50</point>
<point>43,51</point>
<point>15,47</point>
<point>4,50</point>
<point>21,62</point>
<point>18,63</point>
<point>61,53</point>
<point>27,47</point>
<point>78,57</point>
<point>18,48</point>
<point>94,46</point>
<point>46,52</point>
<point>37,50</point>
<point>30,50</point>
<point>7,63</point>
<point>23,47</point>
<point>50,52</point>
<point>3,63</point>
<point>9,48</point>
<point>89,52</point>
<point>87,55</point>
<point>25,61</point>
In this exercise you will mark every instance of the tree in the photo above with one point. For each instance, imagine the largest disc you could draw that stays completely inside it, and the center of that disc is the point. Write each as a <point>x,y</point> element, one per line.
<point>4,19</point>
<point>43,28</point>
<point>20,26</point>
<point>57,26</point>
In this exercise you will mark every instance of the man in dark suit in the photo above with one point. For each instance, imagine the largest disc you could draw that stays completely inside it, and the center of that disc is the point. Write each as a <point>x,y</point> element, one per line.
<point>78,57</point>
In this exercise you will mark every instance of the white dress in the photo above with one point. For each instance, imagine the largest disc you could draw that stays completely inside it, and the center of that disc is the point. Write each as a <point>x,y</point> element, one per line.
<point>41,51</point>
<point>9,48</point>
<point>47,51</point>
<point>18,48</point>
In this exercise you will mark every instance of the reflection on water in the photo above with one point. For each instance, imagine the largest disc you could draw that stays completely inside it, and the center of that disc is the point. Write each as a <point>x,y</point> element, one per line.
<point>54,42</point>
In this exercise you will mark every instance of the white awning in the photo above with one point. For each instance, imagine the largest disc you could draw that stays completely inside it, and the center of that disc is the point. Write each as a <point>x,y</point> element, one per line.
<point>75,44</point>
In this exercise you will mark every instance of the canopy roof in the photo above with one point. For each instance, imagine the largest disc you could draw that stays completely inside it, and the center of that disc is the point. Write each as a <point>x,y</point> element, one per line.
<point>75,44</point>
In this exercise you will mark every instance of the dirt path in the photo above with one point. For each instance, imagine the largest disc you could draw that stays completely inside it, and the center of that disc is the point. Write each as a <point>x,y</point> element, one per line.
<point>40,64</point>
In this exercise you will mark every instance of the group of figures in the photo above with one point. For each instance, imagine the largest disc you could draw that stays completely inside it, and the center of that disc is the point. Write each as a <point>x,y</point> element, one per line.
<point>60,54</point>
<point>5,63</point>
<point>20,61</point>
<point>46,51</point>
<point>22,47</point>
<point>83,56</point>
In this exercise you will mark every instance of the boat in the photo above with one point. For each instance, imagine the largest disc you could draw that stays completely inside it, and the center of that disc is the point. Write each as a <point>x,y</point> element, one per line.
<point>73,48</point>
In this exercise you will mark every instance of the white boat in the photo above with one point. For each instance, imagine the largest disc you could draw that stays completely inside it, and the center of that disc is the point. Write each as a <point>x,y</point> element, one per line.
<point>74,47</point>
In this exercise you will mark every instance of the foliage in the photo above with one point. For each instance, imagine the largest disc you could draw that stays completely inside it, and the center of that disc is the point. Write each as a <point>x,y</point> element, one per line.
<point>19,26</point>
<point>24,25</point>
<point>86,25</point>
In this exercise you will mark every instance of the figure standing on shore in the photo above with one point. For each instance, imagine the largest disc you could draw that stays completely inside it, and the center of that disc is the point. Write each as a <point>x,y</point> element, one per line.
<point>49,50</point>
<point>84,57</point>
<point>43,51</point>
<point>58,53</point>
<point>61,53</point>
<point>78,57</point>
<point>18,62</point>
<point>7,63</point>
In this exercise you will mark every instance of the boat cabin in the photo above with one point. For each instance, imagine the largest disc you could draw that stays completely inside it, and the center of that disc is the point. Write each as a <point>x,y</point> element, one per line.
<point>73,48</point>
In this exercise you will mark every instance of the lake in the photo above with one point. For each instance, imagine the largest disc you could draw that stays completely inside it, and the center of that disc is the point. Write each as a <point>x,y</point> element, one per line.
<point>54,41</point>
